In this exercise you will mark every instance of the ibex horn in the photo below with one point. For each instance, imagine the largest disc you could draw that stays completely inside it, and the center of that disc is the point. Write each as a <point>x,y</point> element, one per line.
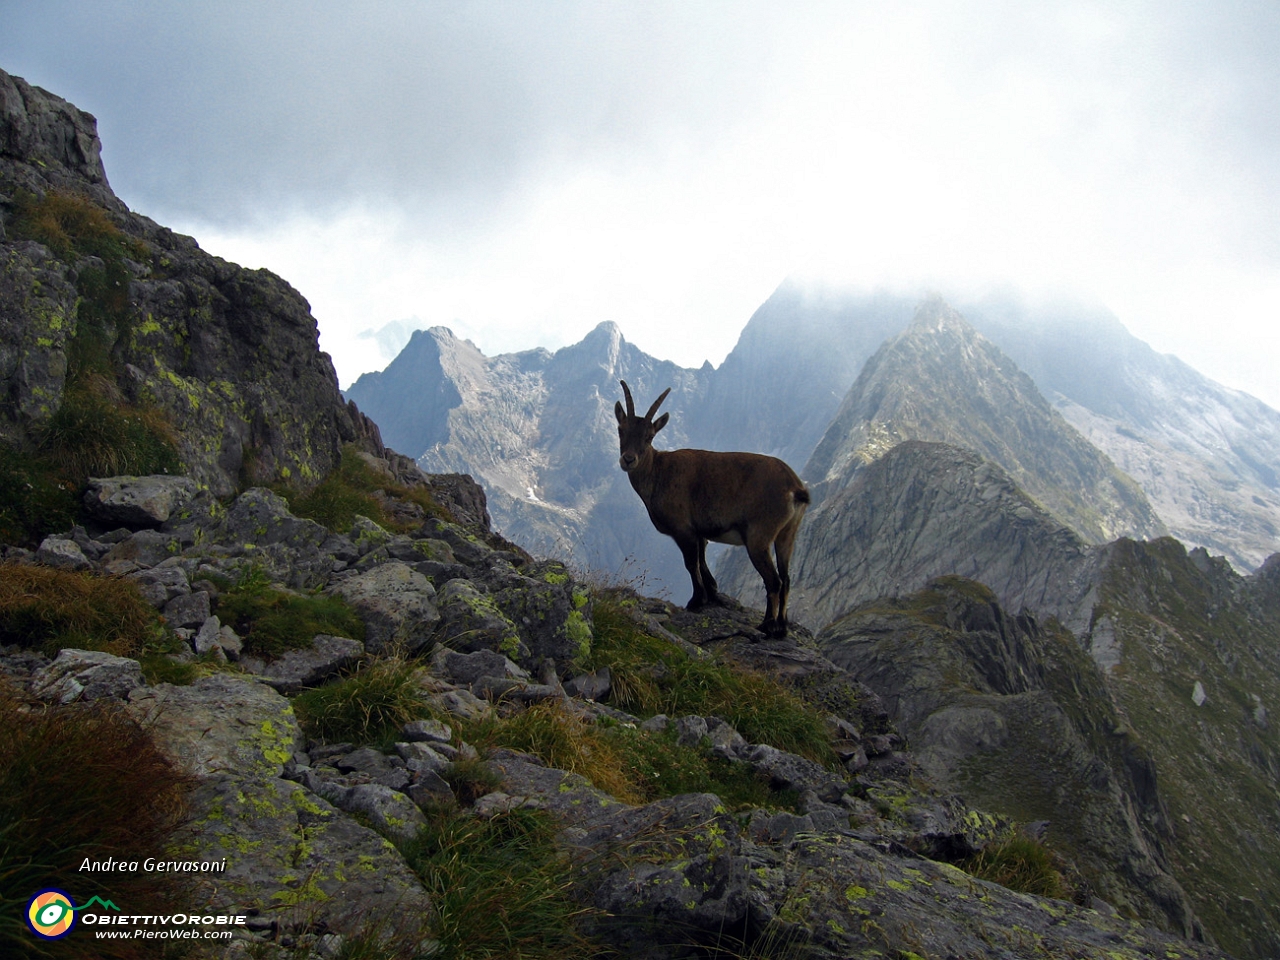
<point>656,404</point>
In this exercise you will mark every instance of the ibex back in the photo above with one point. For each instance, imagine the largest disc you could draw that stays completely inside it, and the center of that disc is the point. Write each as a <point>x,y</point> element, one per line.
<point>693,496</point>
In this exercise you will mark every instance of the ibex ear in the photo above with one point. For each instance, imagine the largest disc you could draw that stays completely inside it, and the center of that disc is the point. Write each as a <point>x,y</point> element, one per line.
<point>618,411</point>
<point>661,422</point>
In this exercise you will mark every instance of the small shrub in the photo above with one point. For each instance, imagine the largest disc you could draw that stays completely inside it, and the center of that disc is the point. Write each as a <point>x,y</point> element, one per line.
<point>1023,864</point>
<point>72,226</point>
<point>51,609</point>
<point>79,782</point>
<point>271,621</point>
<point>499,886</point>
<point>369,706</point>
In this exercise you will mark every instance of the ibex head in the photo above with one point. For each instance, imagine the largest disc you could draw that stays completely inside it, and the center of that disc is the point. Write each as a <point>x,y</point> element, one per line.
<point>635,434</point>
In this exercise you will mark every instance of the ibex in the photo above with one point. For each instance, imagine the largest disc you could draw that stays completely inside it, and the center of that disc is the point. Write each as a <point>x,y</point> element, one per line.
<point>693,496</point>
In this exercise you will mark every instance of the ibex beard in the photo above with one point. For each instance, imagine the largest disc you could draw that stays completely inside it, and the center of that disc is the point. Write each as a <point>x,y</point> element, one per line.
<point>696,496</point>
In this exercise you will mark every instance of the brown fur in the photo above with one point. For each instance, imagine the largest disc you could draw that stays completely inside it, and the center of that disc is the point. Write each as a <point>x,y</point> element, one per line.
<point>694,496</point>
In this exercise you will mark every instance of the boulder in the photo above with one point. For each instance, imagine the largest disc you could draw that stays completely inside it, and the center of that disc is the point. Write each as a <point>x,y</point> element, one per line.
<point>295,862</point>
<point>62,553</point>
<point>190,610</point>
<point>137,501</point>
<point>309,666</point>
<point>221,723</point>
<point>397,605</point>
<point>86,675</point>
<point>472,621</point>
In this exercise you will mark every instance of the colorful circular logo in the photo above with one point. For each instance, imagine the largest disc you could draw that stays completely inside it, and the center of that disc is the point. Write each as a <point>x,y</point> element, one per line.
<point>51,914</point>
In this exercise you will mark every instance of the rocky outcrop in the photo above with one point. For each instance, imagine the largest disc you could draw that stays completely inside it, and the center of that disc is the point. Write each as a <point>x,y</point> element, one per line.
<point>228,355</point>
<point>1016,717</point>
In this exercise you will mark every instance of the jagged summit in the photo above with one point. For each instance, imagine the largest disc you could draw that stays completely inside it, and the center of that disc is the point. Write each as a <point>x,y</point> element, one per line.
<point>940,380</point>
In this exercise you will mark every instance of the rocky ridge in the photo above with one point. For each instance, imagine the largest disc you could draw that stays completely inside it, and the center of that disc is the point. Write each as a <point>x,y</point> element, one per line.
<point>310,829</point>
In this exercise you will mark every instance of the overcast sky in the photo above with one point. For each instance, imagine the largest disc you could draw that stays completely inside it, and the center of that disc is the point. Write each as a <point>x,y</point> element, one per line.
<point>521,171</point>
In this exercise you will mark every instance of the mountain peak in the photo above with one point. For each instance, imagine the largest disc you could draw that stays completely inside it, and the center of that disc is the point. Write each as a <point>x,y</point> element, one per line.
<point>942,381</point>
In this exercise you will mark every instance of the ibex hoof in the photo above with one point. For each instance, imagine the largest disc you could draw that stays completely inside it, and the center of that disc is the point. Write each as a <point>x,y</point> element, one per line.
<point>774,629</point>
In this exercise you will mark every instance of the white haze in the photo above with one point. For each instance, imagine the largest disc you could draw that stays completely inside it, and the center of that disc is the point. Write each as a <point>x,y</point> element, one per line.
<point>522,171</point>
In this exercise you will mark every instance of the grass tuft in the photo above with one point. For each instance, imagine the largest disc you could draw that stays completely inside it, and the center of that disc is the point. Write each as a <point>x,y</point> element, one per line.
<point>499,886</point>
<point>50,609</point>
<point>369,706</point>
<point>1020,863</point>
<point>272,621</point>
<point>83,782</point>
<point>95,434</point>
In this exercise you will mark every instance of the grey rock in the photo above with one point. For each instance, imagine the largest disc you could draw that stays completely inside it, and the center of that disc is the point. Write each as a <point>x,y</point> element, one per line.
<point>221,724</point>
<point>690,730</point>
<point>364,760</point>
<point>188,610</point>
<point>207,637</point>
<point>656,723</point>
<point>466,668</point>
<point>391,812</point>
<point>146,548</point>
<point>591,686</point>
<point>137,501</point>
<point>419,757</point>
<point>397,605</point>
<point>788,771</point>
<point>426,731</point>
<point>310,666</point>
<point>86,675</point>
<point>230,642</point>
<point>460,703</point>
<point>725,740</point>
<point>296,861</point>
<point>549,609</point>
<point>472,621</point>
<point>63,554</point>
<point>429,789</point>
<point>160,584</point>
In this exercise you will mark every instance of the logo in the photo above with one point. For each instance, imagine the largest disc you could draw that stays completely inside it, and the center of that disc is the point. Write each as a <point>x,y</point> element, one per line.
<point>51,914</point>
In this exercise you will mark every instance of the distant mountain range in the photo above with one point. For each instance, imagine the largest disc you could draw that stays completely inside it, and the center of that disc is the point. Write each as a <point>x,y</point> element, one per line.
<point>1111,440</point>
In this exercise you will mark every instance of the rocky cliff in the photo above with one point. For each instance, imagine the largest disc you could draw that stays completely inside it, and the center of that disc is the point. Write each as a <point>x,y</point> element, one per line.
<point>1012,713</point>
<point>114,312</point>
<point>925,510</point>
